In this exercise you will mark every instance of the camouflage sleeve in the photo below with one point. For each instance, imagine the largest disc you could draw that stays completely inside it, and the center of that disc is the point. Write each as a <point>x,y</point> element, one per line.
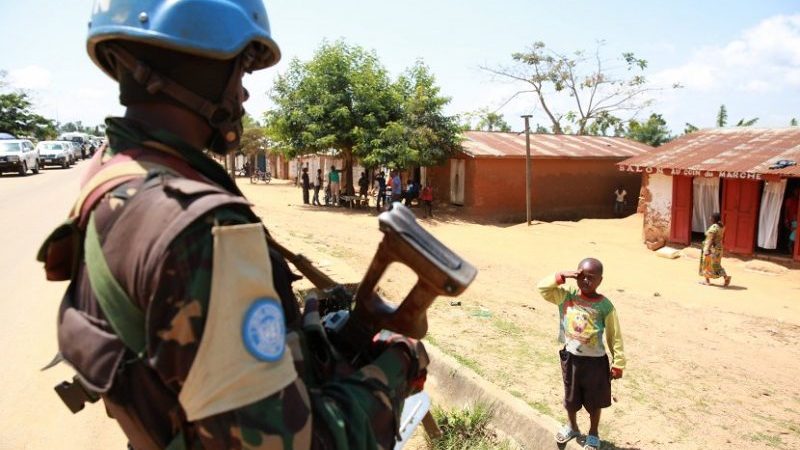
<point>354,412</point>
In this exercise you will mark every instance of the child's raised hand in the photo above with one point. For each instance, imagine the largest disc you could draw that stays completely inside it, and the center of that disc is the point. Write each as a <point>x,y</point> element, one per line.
<point>571,274</point>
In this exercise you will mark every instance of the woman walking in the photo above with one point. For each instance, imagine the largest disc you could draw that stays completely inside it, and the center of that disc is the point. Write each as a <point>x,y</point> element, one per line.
<point>711,257</point>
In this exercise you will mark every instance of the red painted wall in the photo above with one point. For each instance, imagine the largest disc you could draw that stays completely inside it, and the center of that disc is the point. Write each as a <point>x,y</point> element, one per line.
<point>562,189</point>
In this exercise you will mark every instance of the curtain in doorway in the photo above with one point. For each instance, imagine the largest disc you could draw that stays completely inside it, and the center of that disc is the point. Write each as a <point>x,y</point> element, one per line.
<point>770,215</point>
<point>705,195</point>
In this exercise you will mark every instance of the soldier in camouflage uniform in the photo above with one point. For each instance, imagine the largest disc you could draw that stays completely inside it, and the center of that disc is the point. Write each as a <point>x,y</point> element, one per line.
<point>179,314</point>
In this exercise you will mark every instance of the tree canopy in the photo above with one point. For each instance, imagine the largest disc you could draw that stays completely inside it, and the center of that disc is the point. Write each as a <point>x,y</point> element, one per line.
<point>342,100</point>
<point>597,90</point>
<point>423,135</point>
<point>17,116</point>
<point>653,132</point>
<point>722,121</point>
<point>254,137</point>
<point>488,121</point>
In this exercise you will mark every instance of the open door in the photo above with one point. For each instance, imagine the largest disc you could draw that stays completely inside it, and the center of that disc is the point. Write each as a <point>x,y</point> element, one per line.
<point>681,220</point>
<point>740,202</point>
<point>457,181</point>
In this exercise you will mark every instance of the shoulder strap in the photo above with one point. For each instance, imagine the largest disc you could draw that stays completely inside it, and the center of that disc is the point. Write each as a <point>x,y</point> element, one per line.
<point>124,317</point>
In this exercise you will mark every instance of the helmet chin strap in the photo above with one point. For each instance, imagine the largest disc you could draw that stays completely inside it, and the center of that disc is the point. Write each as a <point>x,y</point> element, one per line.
<point>225,117</point>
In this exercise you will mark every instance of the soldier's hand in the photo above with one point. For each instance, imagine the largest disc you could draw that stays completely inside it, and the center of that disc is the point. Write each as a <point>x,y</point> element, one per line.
<point>413,349</point>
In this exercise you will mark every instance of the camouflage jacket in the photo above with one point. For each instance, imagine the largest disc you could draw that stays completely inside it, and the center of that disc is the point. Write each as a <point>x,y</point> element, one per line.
<point>356,411</point>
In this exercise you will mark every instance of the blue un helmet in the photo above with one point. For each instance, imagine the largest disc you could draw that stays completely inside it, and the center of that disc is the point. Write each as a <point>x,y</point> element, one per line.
<point>214,29</point>
<point>218,30</point>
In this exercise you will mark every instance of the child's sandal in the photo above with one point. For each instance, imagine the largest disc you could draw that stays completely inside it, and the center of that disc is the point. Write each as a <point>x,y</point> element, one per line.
<point>565,434</point>
<point>592,442</point>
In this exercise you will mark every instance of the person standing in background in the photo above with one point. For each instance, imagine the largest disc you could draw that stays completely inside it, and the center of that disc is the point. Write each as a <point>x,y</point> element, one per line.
<point>620,202</point>
<point>333,184</point>
<point>381,200</point>
<point>306,185</point>
<point>317,187</point>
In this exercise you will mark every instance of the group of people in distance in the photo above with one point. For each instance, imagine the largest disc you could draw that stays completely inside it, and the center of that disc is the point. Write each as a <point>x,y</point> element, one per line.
<point>385,192</point>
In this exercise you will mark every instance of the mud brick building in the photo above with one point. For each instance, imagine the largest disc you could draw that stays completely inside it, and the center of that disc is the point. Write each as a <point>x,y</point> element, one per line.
<point>573,177</point>
<point>747,174</point>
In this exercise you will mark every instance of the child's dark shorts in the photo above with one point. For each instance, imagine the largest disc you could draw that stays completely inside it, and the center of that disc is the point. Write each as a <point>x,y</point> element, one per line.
<point>587,381</point>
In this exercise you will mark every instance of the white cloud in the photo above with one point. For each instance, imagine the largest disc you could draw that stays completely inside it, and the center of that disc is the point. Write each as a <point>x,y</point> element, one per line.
<point>757,86</point>
<point>765,58</point>
<point>30,77</point>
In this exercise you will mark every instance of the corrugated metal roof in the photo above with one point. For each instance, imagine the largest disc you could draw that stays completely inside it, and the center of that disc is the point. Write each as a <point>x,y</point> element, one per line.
<point>490,144</point>
<point>751,150</point>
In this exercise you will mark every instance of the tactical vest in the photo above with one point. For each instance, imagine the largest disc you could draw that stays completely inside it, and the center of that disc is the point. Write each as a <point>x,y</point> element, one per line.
<point>170,197</point>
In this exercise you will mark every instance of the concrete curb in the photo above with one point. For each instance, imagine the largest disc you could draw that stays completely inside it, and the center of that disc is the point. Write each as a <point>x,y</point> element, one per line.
<point>454,386</point>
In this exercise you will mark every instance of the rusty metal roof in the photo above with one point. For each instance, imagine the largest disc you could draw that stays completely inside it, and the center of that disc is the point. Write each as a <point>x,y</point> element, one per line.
<point>752,150</point>
<point>492,144</point>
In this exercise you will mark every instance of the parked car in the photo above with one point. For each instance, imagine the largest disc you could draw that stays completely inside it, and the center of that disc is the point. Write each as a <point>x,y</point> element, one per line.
<point>54,153</point>
<point>82,139</point>
<point>74,150</point>
<point>18,155</point>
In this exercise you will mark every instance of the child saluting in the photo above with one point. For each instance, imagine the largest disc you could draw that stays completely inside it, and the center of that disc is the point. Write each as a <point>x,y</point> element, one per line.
<point>585,315</point>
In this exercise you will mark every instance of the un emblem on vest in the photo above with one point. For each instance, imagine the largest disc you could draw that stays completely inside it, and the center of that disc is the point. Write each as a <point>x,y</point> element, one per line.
<point>264,330</point>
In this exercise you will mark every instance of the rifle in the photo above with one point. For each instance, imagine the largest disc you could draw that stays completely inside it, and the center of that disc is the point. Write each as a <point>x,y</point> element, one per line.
<point>439,271</point>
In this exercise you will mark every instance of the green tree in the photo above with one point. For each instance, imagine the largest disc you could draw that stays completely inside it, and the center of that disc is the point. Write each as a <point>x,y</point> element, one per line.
<point>653,132</point>
<point>424,135</point>
<point>598,90</point>
<point>488,121</point>
<point>722,116</point>
<point>604,123</point>
<point>254,137</point>
<point>793,122</point>
<point>690,128</point>
<point>339,100</point>
<point>17,116</point>
<point>343,100</point>
<point>747,123</point>
<point>722,119</point>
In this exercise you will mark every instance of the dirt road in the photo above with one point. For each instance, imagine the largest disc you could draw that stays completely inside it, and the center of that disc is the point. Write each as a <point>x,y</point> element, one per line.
<point>707,366</point>
<point>31,414</point>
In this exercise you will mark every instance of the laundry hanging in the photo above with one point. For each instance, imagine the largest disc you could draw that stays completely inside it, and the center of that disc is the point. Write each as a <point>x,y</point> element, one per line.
<point>770,214</point>
<point>705,194</point>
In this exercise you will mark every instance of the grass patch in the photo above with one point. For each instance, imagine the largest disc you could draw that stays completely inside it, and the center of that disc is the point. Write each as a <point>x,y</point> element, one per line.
<point>542,407</point>
<point>769,439</point>
<point>467,362</point>
<point>432,339</point>
<point>466,429</point>
<point>506,327</point>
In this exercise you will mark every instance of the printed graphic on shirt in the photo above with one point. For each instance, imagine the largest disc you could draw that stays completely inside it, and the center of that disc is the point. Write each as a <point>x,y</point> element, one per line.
<point>583,327</point>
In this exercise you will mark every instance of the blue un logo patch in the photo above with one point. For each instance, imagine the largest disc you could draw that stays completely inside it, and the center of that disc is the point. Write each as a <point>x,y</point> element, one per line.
<point>264,330</point>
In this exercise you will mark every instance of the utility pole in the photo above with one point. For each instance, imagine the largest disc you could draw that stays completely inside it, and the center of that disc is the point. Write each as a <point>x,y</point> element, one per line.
<point>527,167</point>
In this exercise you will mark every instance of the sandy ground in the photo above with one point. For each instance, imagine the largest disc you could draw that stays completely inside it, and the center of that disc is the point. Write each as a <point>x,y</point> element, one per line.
<point>707,366</point>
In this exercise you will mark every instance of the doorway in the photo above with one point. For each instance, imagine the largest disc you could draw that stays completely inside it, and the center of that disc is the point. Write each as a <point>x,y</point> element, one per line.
<point>457,171</point>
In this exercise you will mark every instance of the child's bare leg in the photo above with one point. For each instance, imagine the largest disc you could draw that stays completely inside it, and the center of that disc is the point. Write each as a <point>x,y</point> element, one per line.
<point>573,420</point>
<point>594,420</point>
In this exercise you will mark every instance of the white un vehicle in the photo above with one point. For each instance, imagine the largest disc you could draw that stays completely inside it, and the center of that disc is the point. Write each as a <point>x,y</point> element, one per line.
<point>18,155</point>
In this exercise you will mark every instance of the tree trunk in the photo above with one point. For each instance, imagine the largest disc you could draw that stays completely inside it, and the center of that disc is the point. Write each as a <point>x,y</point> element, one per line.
<point>347,157</point>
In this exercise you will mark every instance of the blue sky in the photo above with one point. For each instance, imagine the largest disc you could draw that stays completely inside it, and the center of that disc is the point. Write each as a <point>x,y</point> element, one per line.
<point>745,54</point>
